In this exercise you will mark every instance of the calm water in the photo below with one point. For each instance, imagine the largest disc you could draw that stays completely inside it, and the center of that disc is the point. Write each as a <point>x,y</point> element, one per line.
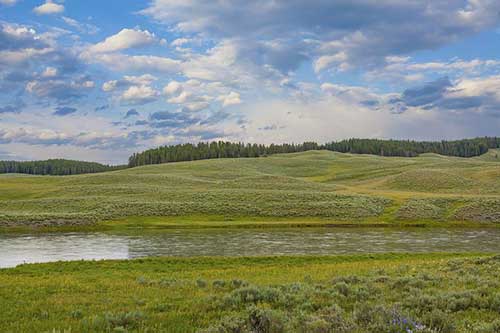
<point>28,248</point>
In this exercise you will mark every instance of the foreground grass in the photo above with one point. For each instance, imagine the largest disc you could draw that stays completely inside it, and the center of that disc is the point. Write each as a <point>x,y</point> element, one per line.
<point>362,293</point>
<point>332,188</point>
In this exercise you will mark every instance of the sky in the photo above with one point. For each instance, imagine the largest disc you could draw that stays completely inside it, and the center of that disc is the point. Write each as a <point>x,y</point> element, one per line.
<point>98,80</point>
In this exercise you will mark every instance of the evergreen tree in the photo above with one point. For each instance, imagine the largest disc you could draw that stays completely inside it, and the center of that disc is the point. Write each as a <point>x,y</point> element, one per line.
<point>405,148</point>
<point>58,167</point>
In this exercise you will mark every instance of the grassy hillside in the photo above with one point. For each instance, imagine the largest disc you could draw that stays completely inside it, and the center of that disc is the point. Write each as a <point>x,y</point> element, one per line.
<point>309,187</point>
<point>444,293</point>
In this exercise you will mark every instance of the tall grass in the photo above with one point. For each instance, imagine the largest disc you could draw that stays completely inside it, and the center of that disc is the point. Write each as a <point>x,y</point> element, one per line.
<point>370,293</point>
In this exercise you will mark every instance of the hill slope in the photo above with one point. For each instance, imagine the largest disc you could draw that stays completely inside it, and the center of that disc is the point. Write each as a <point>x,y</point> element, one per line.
<point>302,186</point>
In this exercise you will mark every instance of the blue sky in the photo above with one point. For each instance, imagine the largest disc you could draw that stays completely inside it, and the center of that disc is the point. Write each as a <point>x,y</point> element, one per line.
<point>99,80</point>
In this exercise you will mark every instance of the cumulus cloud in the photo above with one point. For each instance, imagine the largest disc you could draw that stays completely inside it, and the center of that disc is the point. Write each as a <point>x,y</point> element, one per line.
<point>339,34</point>
<point>133,89</point>
<point>233,98</point>
<point>357,96</point>
<point>180,41</point>
<point>49,72</point>
<point>127,81</point>
<point>31,136</point>
<point>60,89</point>
<point>479,95</point>
<point>281,66</point>
<point>403,69</point>
<point>19,44</point>
<point>49,8</point>
<point>136,63</point>
<point>139,95</point>
<point>35,63</point>
<point>172,88</point>
<point>125,39</point>
<point>91,140</point>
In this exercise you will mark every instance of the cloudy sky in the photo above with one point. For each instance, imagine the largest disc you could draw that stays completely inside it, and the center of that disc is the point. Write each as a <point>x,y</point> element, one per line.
<point>98,80</point>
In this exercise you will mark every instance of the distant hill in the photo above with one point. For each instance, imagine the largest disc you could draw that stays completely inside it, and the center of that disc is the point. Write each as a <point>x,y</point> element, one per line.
<point>478,147</point>
<point>59,167</point>
<point>307,187</point>
<point>402,148</point>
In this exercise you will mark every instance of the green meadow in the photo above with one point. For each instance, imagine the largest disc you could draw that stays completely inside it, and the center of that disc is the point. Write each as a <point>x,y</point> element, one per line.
<point>310,188</point>
<point>400,293</point>
<point>362,293</point>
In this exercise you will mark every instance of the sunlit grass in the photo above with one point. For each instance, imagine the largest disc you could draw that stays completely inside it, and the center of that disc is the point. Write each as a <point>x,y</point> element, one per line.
<point>315,185</point>
<point>185,295</point>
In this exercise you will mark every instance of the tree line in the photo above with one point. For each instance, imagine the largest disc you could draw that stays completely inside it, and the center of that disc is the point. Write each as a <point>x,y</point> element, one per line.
<point>221,149</point>
<point>57,167</point>
<point>407,148</point>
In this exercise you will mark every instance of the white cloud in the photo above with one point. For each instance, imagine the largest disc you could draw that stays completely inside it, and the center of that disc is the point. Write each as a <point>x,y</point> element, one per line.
<point>145,79</point>
<point>139,63</point>
<point>339,34</point>
<point>109,85</point>
<point>60,89</point>
<point>49,8</point>
<point>81,27</point>
<point>139,95</point>
<point>399,69</point>
<point>127,81</point>
<point>125,39</point>
<point>172,88</point>
<point>196,106</point>
<point>49,72</point>
<point>13,57</point>
<point>326,61</point>
<point>182,98</point>
<point>180,41</point>
<point>132,89</point>
<point>233,98</point>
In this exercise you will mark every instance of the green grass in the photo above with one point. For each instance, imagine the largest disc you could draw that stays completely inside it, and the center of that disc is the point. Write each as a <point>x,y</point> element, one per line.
<point>315,187</point>
<point>362,293</point>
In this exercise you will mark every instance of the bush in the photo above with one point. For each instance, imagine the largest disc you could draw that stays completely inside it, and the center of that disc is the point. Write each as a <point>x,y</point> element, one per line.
<point>201,283</point>
<point>219,284</point>
<point>439,321</point>
<point>266,321</point>
<point>342,288</point>
<point>493,327</point>
<point>117,321</point>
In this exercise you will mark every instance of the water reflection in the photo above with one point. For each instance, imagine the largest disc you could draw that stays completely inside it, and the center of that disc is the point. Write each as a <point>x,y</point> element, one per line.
<point>16,249</point>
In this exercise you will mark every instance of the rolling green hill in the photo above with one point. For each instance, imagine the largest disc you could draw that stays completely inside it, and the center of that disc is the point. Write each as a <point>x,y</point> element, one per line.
<point>314,187</point>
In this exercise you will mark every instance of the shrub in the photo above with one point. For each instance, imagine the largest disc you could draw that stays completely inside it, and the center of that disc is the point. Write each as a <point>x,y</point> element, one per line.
<point>439,321</point>
<point>266,321</point>
<point>253,295</point>
<point>201,283</point>
<point>219,284</point>
<point>117,321</point>
<point>238,283</point>
<point>495,302</point>
<point>342,288</point>
<point>143,281</point>
<point>493,327</point>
